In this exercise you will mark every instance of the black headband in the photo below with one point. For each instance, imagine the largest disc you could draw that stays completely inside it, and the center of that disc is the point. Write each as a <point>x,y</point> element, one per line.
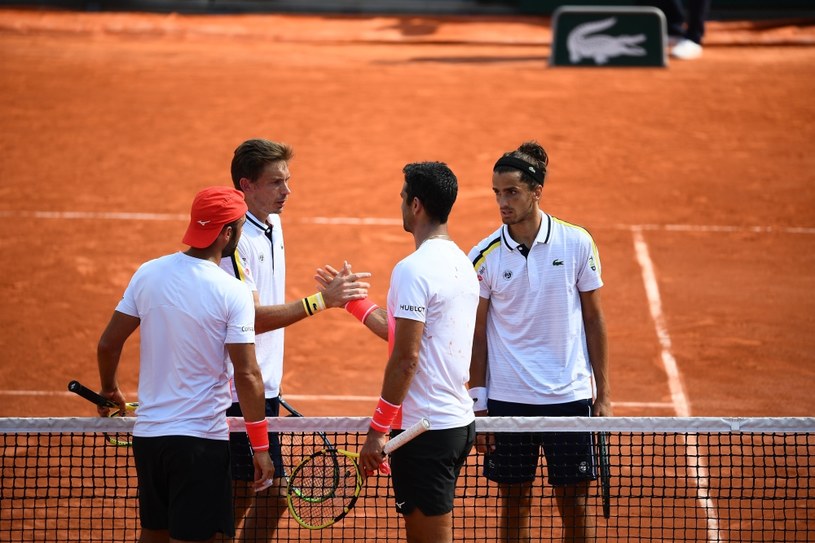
<point>521,165</point>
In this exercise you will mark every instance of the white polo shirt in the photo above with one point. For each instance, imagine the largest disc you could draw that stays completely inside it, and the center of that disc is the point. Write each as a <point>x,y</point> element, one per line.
<point>536,340</point>
<point>436,285</point>
<point>189,310</point>
<point>261,264</point>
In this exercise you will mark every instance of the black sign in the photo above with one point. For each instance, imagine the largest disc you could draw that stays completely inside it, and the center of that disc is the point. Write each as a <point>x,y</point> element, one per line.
<point>608,36</point>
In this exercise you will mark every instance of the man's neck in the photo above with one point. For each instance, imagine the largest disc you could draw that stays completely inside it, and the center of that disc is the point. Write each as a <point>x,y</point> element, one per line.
<point>430,231</point>
<point>526,231</point>
<point>204,254</point>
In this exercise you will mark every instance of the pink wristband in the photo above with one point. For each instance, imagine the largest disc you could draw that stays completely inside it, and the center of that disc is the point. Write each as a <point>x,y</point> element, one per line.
<point>361,308</point>
<point>258,433</point>
<point>384,414</point>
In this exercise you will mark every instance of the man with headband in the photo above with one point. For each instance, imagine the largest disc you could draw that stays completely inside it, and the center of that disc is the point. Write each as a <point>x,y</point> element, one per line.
<point>539,347</point>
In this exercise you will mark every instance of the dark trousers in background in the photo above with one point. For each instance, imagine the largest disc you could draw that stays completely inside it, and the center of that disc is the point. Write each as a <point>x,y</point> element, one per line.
<point>687,22</point>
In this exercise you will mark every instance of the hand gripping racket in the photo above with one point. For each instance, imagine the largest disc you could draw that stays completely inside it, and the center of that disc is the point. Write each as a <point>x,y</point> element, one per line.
<point>78,388</point>
<point>317,476</point>
<point>605,472</point>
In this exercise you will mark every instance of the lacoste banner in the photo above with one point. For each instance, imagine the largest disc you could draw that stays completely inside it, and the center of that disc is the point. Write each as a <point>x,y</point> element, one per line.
<point>608,36</point>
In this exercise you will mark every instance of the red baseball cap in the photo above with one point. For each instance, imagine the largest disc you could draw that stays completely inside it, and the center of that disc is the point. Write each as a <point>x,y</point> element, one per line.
<point>213,208</point>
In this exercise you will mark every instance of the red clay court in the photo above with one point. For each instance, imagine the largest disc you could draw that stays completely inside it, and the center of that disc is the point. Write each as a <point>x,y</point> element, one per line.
<point>696,181</point>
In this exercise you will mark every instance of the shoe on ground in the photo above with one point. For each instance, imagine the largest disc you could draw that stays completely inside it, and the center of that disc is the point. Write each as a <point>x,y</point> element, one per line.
<point>686,50</point>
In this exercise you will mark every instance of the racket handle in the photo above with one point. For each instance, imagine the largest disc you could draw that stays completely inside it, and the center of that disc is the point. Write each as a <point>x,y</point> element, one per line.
<point>419,428</point>
<point>78,388</point>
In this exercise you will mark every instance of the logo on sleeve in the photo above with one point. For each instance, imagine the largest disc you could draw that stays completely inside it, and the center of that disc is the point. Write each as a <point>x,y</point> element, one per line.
<point>412,308</point>
<point>591,264</point>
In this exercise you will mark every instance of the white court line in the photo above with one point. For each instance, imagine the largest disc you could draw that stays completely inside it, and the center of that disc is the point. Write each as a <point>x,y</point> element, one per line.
<point>678,396</point>
<point>697,468</point>
<point>96,215</point>
<point>379,221</point>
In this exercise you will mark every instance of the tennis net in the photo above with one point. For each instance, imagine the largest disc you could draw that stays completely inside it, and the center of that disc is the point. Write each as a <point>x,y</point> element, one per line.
<point>669,479</point>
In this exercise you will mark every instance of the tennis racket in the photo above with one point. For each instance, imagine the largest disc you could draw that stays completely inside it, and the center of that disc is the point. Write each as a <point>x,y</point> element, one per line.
<point>295,445</point>
<point>317,475</point>
<point>78,388</point>
<point>605,472</point>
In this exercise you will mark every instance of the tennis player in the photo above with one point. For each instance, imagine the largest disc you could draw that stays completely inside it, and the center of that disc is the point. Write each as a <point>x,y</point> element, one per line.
<point>540,341</point>
<point>260,170</point>
<point>191,315</point>
<point>432,302</point>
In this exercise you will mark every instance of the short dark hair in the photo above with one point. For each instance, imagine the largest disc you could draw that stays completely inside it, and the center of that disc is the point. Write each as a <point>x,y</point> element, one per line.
<point>253,155</point>
<point>435,185</point>
<point>532,153</point>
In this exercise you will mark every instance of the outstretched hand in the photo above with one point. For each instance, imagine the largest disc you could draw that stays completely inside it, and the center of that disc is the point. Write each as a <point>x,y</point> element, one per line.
<point>341,286</point>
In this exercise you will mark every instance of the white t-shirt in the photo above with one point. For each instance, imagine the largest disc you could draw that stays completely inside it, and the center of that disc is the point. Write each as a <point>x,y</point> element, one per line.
<point>189,310</point>
<point>436,285</point>
<point>261,264</point>
<point>536,340</point>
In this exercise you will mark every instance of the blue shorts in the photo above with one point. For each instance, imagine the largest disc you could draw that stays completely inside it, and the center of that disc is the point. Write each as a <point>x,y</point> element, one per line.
<point>569,455</point>
<point>425,469</point>
<point>241,452</point>
<point>184,486</point>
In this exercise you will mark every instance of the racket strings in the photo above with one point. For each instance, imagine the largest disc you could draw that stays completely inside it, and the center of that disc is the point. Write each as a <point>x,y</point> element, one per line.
<point>324,488</point>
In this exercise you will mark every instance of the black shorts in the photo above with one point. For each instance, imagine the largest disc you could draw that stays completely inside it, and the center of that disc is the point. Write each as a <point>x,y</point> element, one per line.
<point>425,469</point>
<point>242,467</point>
<point>569,455</point>
<point>184,486</point>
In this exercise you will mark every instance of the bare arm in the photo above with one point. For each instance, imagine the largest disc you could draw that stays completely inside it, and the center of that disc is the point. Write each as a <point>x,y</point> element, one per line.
<point>404,360</point>
<point>478,368</point>
<point>377,322</point>
<point>597,344</point>
<point>399,373</point>
<point>249,385</point>
<point>109,351</point>
<point>478,361</point>
<point>338,290</point>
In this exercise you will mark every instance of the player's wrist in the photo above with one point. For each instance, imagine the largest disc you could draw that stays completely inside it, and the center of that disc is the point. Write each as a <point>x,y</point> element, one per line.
<point>314,304</point>
<point>361,309</point>
<point>479,397</point>
<point>384,415</point>
<point>258,433</point>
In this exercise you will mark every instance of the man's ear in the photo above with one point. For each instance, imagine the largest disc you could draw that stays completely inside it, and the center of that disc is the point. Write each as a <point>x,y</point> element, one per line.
<point>245,184</point>
<point>416,205</point>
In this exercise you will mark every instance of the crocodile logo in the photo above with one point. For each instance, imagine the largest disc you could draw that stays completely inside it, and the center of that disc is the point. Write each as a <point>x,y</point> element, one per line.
<point>584,42</point>
<point>557,262</point>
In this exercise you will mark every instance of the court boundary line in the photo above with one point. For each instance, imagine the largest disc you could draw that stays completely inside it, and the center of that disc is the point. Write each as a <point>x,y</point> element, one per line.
<point>382,221</point>
<point>697,467</point>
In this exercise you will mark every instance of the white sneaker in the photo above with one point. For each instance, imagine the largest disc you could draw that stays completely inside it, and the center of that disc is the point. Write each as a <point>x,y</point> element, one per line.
<point>686,50</point>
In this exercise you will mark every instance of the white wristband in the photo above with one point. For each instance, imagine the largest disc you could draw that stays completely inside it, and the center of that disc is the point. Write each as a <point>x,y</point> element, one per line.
<point>479,396</point>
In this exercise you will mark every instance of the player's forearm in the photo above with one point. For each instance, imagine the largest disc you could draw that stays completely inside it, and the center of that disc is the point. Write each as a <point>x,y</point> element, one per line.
<point>597,345</point>
<point>108,362</point>
<point>399,374</point>
<point>249,385</point>
<point>272,317</point>
<point>109,348</point>
<point>478,364</point>
<point>377,322</point>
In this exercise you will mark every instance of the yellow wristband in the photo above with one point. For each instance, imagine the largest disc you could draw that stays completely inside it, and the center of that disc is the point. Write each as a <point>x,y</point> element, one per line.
<point>314,304</point>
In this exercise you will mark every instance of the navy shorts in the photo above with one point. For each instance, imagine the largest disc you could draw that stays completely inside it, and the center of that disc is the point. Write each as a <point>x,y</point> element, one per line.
<point>241,452</point>
<point>184,486</point>
<point>426,468</point>
<point>569,455</point>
